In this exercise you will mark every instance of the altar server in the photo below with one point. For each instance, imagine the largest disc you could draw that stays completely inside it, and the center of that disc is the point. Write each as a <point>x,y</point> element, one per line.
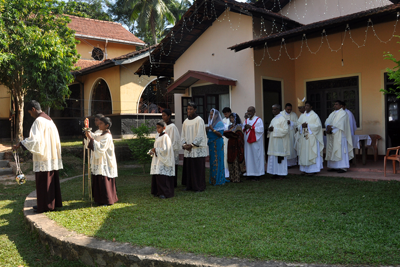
<point>103,164</point>
<point>194,142</point>
<point>254,145</point>
<point>339,145</point>
<point>162,164</point>
<point>310,142</point>
<point>44,144</point>
<point>172,131</point>
<point>279,143</point>
<point>291,119</point>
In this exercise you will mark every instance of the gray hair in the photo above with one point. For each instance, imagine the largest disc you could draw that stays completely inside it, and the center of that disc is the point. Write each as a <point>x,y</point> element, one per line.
<point>277,106</point>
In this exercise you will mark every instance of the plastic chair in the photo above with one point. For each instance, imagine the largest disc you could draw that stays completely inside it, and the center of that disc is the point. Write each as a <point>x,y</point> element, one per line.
<point>374,145</point>
<point>395,157</point>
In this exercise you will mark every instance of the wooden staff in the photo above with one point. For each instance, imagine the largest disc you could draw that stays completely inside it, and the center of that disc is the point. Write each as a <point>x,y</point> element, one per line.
<point>84,167</point>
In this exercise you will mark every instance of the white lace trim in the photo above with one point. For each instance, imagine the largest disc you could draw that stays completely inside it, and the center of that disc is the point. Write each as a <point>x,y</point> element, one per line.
<point>176,155</point>
<point>196,152</point>
<point>161,169</point>
<point>46,166</point>
<point>104,170</point>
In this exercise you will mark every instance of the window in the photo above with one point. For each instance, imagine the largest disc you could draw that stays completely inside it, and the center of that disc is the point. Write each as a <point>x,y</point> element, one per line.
<point>323,94</point>
<point>97,54</point>
<point>210,96</point>
<point>155,97</point>
<point>101,98</point>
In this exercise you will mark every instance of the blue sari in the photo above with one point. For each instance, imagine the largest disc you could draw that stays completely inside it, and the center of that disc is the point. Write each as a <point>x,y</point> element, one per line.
<point>216,149</point>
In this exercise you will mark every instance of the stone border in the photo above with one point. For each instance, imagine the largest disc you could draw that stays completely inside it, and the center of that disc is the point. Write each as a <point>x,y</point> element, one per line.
<point>94,252</point>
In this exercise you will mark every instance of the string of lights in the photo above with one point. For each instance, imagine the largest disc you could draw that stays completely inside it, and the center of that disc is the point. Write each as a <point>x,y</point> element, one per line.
<point>324,35</point>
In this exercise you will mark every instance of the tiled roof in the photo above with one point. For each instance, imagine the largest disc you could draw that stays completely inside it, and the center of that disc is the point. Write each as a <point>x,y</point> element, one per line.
<point>99,29</point>
<point>192,76</point>
<point>84,63</point>
<point>89,66</point>
<point>377,15</point>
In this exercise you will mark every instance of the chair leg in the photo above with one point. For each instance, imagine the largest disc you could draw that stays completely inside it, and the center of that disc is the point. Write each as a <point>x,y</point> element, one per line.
<point>384,166</point>
<point>394,166</point>
<point>376,154</point>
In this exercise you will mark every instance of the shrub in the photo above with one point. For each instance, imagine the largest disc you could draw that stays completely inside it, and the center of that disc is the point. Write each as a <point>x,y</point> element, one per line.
<point>142,144</point>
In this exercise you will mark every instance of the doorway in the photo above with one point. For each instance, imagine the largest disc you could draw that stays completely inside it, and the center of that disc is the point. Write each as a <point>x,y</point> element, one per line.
<point>392,115</point>
<point>272,94</point>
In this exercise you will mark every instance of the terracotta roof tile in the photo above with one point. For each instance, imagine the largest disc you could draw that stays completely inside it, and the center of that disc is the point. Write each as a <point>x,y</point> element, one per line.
<point>84,63</point>
<point>89,66</point>
<point>100,29</point>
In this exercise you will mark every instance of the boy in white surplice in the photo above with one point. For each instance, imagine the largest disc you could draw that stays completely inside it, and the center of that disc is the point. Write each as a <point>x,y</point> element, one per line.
<point>162,165</point>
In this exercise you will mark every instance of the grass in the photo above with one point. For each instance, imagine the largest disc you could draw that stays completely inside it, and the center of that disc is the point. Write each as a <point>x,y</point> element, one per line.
<point>300,219</point>
<point>78,142</point>
<point>18,246</point>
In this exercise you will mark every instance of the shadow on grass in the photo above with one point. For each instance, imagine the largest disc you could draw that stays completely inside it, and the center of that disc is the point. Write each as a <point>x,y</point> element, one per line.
<point>300,219</point>
<point>18,246</point>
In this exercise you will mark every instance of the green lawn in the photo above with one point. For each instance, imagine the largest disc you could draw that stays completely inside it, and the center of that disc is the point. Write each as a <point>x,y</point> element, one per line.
<point>77,142</point>
<point>300,219</point>
<point>18,247</point>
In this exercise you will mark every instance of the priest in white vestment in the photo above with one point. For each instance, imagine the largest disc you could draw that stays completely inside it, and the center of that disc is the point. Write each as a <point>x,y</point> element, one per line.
<point>226,111</point>
<point>310,142</point>
<point>172,131</point>
<point>44,144</point>
<point>194,142</point>
<point>339,145</point>
<point>279,143</point>
<point>254,145</point>
<point>353,124</point>
<point>163,164</point>
<point>291,119</point>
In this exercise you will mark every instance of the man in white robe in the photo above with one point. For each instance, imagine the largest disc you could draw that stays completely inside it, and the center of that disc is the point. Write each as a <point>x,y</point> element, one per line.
<point>279,143</point>
<point>227,111</point>
<point>291,119</point>
<point>339,145</point>
<point>254,151</point>
<point>310,143</point>
<point>353,124</point>
<point>44,144</point>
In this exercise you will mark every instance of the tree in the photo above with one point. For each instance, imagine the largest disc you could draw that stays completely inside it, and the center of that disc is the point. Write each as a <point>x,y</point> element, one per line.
<point>37,53</point>
<point>393,74</point>
<point>145,16</point>
<point>93,9</point>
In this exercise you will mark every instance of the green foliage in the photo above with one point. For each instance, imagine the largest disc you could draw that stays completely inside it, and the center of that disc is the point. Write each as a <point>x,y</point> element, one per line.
<point>393,74</point>
<point>37,52</point>
<point>149,19</point>
<point>142,144</point>
<point>93,9</point>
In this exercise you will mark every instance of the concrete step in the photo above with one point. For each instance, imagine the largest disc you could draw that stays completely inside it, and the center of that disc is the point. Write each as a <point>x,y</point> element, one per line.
<point>3,163</point>
<point>1,155</point>
<point>4,171</point>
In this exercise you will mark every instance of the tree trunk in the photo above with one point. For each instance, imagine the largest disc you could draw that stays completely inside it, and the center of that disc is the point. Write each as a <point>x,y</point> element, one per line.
<point>19,118</point>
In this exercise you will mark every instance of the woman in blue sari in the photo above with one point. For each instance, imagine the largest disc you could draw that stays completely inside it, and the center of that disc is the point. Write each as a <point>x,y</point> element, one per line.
<point>215,130</point>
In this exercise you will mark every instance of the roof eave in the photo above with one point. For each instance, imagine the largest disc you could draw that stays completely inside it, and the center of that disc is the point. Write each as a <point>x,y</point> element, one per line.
<point>276,39</point>
<point>97,38</point>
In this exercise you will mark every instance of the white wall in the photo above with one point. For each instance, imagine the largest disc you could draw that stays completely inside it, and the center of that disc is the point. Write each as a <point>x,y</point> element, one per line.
<point>210,54</point>
<point>309,11</point>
